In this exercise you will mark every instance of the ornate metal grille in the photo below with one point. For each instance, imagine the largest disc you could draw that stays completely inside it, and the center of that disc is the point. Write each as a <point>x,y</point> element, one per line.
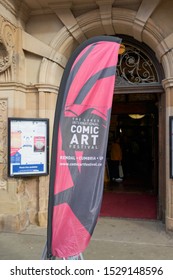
<point>135,67</point>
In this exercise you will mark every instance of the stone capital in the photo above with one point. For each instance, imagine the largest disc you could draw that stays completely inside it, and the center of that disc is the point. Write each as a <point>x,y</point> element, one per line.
<point>167,83</point>
<point>42,88</point>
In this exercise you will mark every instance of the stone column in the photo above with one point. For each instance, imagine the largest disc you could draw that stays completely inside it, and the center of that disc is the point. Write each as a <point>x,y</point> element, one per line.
<point>168,85</point>
<point>47,102</point>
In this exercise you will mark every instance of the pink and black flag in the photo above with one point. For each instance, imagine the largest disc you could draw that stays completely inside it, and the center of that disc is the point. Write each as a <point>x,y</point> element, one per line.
<point>81,125</point>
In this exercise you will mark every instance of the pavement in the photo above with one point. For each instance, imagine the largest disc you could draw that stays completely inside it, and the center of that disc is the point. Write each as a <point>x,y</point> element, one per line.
<point>113,239</point>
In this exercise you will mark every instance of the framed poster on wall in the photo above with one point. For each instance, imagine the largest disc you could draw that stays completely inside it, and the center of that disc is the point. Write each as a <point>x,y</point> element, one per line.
<point>28,147</point>
<point>171,145</point>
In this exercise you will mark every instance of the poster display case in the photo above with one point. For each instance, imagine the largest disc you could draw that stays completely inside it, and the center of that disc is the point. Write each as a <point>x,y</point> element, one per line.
<point>28,147</point>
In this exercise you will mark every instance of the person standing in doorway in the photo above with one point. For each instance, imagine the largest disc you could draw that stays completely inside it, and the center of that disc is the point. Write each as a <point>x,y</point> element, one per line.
<point>116,158</point>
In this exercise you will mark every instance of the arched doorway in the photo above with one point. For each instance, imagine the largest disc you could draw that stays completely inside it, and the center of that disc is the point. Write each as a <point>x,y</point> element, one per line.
<point>135,120</point>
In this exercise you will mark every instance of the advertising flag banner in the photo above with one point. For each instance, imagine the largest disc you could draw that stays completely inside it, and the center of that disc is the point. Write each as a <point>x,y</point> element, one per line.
<point>80,134</point>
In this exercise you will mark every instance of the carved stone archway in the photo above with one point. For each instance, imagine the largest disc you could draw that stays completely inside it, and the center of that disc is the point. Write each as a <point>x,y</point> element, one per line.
<point>89,24</point>
<point>117,21</point>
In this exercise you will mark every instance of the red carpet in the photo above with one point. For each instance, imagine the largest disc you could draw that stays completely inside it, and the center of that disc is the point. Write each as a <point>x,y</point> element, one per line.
<point>129,205</point>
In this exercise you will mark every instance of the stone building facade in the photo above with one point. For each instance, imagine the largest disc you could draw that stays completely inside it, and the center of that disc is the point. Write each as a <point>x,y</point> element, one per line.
<point>36,41</point>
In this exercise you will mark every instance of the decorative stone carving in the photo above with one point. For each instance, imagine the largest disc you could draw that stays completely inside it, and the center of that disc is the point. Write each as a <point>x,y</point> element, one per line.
<point>3,144</point>
<point>4,58</point>
<point>8,33</point>
<point>7,43</point>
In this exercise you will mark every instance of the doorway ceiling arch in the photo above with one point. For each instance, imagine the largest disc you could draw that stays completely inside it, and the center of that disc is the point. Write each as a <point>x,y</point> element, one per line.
<point>91,24</point>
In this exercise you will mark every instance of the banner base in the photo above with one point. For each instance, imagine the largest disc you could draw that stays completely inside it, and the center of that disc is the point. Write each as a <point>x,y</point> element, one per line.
<point>45,257</point>
<point>76,257</point>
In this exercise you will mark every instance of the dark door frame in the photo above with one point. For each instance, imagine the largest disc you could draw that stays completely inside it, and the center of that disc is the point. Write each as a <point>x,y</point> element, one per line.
<point>158,90</point>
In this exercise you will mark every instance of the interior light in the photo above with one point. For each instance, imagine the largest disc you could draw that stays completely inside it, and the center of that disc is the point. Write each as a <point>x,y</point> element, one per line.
<point>136,116</point>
